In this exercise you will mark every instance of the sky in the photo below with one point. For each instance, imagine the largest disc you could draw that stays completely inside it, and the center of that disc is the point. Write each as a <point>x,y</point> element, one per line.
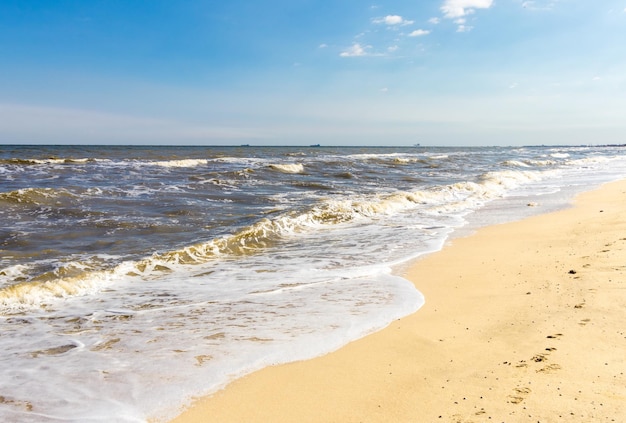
<point>300,72</point>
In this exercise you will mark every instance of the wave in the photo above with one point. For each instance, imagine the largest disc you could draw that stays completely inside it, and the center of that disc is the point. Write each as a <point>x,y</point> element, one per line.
<point>410,160</point>
<point>515,163</point>
<point>81,278</point>
<point>541,163</point>
<point>180,163</point>
<point>174,163</point>
<point>35,196</point>
<point>501,181</point>
<point>399,159</point>
<point>589,161</point>
<point>37,293</point>
<point>288,168</point>
<point>51,160</point>
<point>13,273</point>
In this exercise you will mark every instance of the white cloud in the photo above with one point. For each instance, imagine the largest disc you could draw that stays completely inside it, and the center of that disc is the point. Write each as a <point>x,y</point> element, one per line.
<point>539,5</point>
<point>355,50</point>
<point>392,20</point>
<point>434,21</point>
<point>391,49</point>
<point>419,33</point>
<point>458,8</point>
<point>464,28</point>
<point>323,45</point>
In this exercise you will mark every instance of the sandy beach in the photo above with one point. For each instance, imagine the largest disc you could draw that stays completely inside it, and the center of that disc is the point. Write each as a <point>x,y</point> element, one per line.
<point>523,322</point>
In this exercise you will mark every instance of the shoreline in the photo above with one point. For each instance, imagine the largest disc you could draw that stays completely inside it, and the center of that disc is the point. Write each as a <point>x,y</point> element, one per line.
<point>523,321</point>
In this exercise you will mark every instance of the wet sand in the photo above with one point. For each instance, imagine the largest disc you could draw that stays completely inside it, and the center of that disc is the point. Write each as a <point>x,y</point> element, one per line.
<point>523,322</point>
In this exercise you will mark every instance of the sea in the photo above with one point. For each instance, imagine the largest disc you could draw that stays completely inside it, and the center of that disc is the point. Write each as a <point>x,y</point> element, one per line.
<point>134,279</point>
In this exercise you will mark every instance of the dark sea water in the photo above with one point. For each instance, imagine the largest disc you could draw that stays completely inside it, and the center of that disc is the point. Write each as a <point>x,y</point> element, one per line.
<point>134,278</point>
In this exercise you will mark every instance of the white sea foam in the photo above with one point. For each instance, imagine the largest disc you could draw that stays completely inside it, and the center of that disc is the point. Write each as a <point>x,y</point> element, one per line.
<point>10,274</point>
<point>515,163</point>
<point>181,163</point>
<point>18,297</point>
<point>589,161</point>
<point>541,162</point>
<point>48,161</point>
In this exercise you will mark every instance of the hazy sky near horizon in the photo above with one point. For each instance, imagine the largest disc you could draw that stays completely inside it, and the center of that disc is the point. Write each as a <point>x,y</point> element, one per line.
<point>334,72</point>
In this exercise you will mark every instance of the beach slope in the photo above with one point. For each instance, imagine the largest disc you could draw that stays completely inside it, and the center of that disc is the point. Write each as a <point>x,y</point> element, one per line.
<point>523,321</point>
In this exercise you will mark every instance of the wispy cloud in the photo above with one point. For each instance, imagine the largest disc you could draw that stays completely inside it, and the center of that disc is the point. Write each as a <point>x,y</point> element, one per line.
<point>355,50</point>
<point>464,28</point>
<point>539,4</point>
<point>458,8</point>
<point>419,33</point>
<point>434,21</point>
<point>392,20</point>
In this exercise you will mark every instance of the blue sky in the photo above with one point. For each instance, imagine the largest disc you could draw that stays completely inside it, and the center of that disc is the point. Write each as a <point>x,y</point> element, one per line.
<point>334,72</point>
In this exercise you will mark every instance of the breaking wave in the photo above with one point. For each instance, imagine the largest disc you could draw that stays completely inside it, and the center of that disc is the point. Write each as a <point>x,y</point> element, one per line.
<point>81,278</point>
<point>35,196</point>
<point>180,163</point>
<point>288,168</point>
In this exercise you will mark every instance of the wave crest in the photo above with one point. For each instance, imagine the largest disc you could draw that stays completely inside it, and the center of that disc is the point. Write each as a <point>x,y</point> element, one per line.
<point>36,196</point>
<point>180,163</point>
<point>288,168</point>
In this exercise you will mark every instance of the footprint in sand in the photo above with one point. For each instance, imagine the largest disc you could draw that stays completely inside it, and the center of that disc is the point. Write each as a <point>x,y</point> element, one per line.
<point>519,395</point>
<point>550,368</point>
<point>583,322</point>
<point>538,358</point>
<point>555,336</point>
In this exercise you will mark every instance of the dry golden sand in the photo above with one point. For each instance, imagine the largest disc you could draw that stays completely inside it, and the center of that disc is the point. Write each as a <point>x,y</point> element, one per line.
<point>523,322</point>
